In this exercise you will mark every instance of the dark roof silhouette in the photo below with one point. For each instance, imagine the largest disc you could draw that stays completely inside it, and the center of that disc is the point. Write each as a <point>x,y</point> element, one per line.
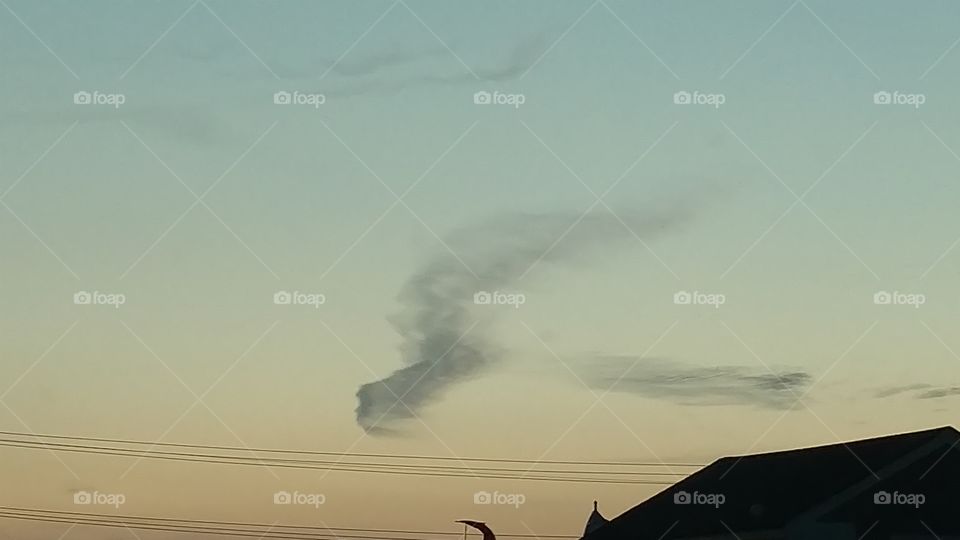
<point>767,491</point>
<point>595,521</point>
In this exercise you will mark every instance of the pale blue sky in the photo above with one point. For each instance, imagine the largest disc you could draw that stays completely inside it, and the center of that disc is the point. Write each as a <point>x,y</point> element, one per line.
<point>103,208</point>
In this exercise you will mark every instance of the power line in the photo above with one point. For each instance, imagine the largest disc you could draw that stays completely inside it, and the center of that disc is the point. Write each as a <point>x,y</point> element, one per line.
<point>190,529</point>
<point>348,454</point>
<point>233,460</point>
<point>115,517</point>
<point>227,527</point>
<point>414,465</point>
<point>46,445</point>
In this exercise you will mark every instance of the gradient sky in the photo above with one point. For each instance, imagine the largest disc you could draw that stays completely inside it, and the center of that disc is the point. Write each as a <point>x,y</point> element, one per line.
<point>103,199</point>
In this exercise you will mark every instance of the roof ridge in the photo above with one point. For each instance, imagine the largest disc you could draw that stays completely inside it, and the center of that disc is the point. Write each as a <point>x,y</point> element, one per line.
<point>887,453</point>
<point>944,429</point>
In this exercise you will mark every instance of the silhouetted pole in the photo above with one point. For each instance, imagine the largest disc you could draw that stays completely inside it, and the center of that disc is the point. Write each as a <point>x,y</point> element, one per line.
<point>480,526</point>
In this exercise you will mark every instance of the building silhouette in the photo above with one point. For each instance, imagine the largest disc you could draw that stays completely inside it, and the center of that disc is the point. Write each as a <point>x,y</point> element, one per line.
<point>904,486</point>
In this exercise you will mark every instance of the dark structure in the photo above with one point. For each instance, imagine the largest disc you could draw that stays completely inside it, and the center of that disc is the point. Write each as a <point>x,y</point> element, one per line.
<point>480,526</point>
<point>595,521</point>
<point>903,486</point>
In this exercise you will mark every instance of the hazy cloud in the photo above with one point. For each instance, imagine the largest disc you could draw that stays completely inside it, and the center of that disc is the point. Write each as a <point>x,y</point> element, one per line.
<point>896,390</point>
<point>377,72</point>
<point>939,393</point>
<point>443,342</point>
<point>520,59</point>
<point>919,391</point>
<point>191,123</point>
<point>687,384</point>
<point>374,63</point>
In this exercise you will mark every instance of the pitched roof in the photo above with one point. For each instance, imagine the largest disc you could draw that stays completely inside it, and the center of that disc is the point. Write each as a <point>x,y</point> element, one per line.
<point>765,491</point>
<point>595,521</point>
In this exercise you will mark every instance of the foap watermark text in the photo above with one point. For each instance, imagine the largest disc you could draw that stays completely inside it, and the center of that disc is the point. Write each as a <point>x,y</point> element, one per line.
<point>698,298</point>
<point>499,98</point>
<point>299,98</point>
<point>97,298</point>
<point>495,497</point>
<point>697,97</point>
<point>697,498</point>
<point>99,499</point>
<point>898,298</point>
<point>97,97</point>
<point>499,298</point>
<point>298,498</point>
<point>896,97</point>
<point>896,498</point>
<point>297,298</point>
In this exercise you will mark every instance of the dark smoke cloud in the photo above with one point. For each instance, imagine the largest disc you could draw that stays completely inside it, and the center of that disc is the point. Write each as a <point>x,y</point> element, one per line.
<point>919,391</point>
<point>357,66</point>
<point>695,385</point>
<point>520,59</point>
<point>375,63</point>
<point>357,73</point>
<point>443,344</point>
<point>897,390</point>
<point>939,393</point>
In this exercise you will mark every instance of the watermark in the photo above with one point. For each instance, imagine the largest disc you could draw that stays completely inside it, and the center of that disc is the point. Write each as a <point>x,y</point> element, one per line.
<point>899,98</point>
<point>499,98</point>
<point>707,499</point>
<point>298,98</point>
<point>297,298</point>
<point>697,298</point>
<point>100,499</point>
<point>697,97</point>
<point>97,298</point>
<point>499,298</point>
<point>99,98</point>
<point>897,298</point>
<point>903,499</point>
<point>305,499</point>
<point>507,499</point>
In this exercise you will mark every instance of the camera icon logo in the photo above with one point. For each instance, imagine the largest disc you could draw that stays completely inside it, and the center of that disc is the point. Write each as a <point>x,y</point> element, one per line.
<point>282,497</point>
<point>482,298</point>
<point>82,98</point>
<point>682,298</point>
<point>882,298</point>
<point>682,497</point>
<point>82,497</point>
<point>82,298</point>
<point>482,98</point>
<point>882,497</point>
<point>482,497</point>
<point>882,98</point>
<point>282,298</point>
<point>282,98</point>
<point>682,98</point>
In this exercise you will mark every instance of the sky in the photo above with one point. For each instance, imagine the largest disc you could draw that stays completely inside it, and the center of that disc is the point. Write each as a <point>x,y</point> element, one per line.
<point>617,231</point>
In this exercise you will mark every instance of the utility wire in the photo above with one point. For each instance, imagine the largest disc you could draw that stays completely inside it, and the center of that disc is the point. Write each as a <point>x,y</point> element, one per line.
<point>229,528</point>
<point>134,451</point>
<point>346,454</point>
<point>221,460</point>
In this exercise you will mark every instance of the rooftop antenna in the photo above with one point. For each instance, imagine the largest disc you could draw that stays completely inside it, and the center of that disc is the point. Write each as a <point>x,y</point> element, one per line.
<point>480,526</point>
